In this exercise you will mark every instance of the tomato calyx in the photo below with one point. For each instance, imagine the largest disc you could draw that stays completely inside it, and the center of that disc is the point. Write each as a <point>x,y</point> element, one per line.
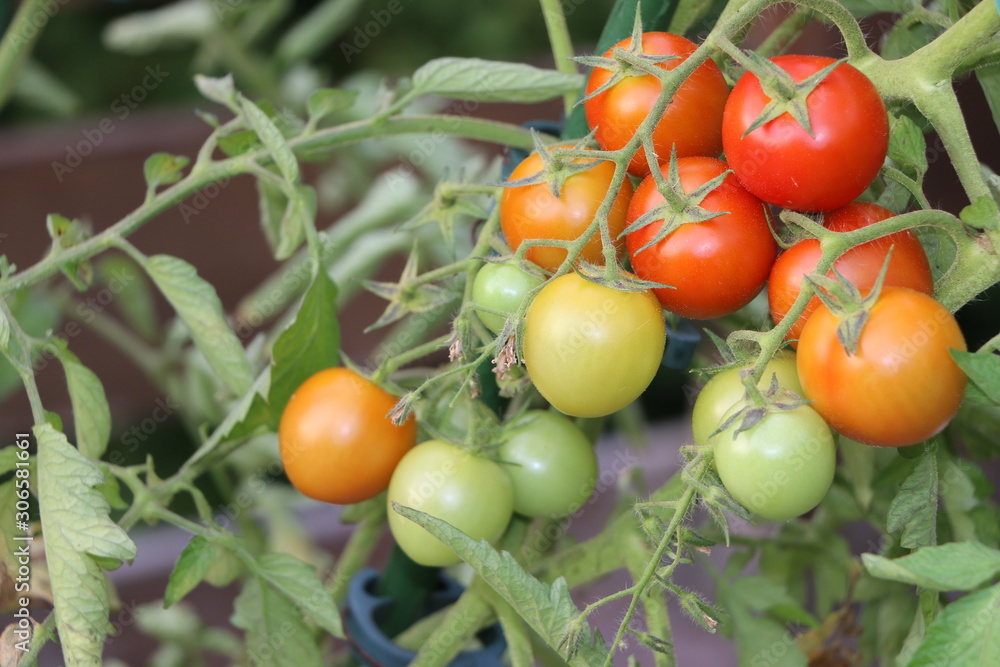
<point>759,404</point>
<point>631,62</point>
<point>679,207</point>
<point>557,165</point>
<point>846,302</point>
<point>786,94</point>
<point>410,295</point>
<point>616,278</point>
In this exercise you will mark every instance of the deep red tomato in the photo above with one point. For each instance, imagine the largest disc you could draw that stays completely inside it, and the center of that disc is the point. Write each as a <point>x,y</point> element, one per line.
<point>692,121</point>
<point>860,265</point>
<point>716,266</point>
<point>532,212</point>
<point>902,386</point>
<point>782,164</point>
<point>336,441</point>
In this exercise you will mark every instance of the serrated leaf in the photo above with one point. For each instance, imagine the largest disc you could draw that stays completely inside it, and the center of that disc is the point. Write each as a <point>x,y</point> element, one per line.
<point>981,214</point>
<point>983,370</point>
<point>298,582</point>
<point>956,566</point>
<point>326,101</point>
<point>91,412</point>
<point>266,614</point>
<point>547,608</point>
<point>272,138</point>
<point>76,527</point>
<point>907,145</point>
<point>965,634</point>
<point>163,169</point>
<point>309,344</point>
<point>300,214</point>
<point>913,512</point>
<point>198,305</point>
<point>190,570</point>
<point>251,413</point>
<point>219,90</point>
<point>490,81</point>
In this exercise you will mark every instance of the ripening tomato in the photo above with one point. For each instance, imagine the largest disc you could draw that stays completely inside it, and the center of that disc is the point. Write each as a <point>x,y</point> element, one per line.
<point>901,386</point>
<point>785,165</point>
<point>726,389</point>
<point>336,441</point>
<point>860,265</point>
<point>780,468</point>
<point>470,492</point>
<point>532,212</point>
<point>591,350</point>
<point>715,267</point>
<point>692,121</point>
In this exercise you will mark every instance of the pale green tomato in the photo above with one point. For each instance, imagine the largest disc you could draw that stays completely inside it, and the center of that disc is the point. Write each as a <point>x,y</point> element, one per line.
<point>471,493</point>
<point>550,462</point>
<point>501,287</point>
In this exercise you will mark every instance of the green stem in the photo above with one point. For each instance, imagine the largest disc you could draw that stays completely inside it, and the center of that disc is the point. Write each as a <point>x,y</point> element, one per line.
<point>787,32</point>
<point>39,639</point>
<point>356,554</point>
<point>19,40</point>
<point>562,45</point>
<point>940,58</point>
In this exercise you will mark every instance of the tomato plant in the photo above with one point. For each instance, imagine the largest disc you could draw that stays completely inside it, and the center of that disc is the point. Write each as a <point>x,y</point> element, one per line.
<point>336,440</point>
<point>590,350</point>
<point>470,492</point>
<point>726,389</point>
<point>498,291</point>
<point>780,468</point>
<point>691,124</point>
<point>901,386</point>
<point>860,265</point>
<point>551,464</point>
<point>778,161</point>
<point>534,212</point>
<point>697,258</point>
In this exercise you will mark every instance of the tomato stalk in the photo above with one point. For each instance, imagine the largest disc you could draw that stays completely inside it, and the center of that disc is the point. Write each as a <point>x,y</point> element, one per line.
<point>18,41</point>
<point>562,45</point>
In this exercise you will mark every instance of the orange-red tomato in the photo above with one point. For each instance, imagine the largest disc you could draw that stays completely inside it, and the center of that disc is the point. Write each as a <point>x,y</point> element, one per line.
<point>532,212</point>
<point>860,265</point>
<point>692,121</point>
<point>336,442</point>
<point>902,386</point>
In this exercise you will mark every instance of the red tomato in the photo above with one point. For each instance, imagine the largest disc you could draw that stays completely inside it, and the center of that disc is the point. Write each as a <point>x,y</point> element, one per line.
<point>902,386</point>
<point>782,164</point>
<point>860,265</point>
<point>716,266</point>
<point>692,121</point>
<point>532,212</point>
<point>336,441</point>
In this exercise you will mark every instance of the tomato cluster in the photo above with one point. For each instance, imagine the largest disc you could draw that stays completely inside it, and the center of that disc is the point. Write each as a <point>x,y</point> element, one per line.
<point>810,137</point>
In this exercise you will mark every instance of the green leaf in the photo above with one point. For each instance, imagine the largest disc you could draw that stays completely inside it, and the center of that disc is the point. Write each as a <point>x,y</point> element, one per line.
<point>266,614</point>
<point>272,138</point>
<point>859,467</point>
<point>490,81</point>
<point>77,528</point>
<point>300,214</point>
<point>989,81</point>
<point>252,412</point>
<point>190,570</point>
<point>757,593</point>
<point>309,344</point>
<point>913,512</point>
<point>906,37</point>
<point>965,633</point>
<point>958,498</point>
<point>272,203</point>
<point>326,101</point>
<point>907,145</point>
<point>239,143</point>
<point>163,169</point>
<point>133,295</point>
<point>66,233</point>
<point>299,582</point>
<point>91,413</point>
<point>956,566</point>
<point>198,305</point>
<point>219,90</point>
<point>983,370</point>
<point>547,609</point>
<point>764,641</point>
<point>981,214</point>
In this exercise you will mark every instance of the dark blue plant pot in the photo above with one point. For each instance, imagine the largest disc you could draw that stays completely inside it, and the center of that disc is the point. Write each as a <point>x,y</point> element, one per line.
<point>370,646</point>
<point>681,344</point>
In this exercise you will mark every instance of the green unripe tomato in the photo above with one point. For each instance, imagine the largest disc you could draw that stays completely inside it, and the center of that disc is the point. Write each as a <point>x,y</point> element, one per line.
<point>501,287</point>
<point>782,467</point>
<point>724,390</point>
<point>471,493</point>
<point>551,464</point>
